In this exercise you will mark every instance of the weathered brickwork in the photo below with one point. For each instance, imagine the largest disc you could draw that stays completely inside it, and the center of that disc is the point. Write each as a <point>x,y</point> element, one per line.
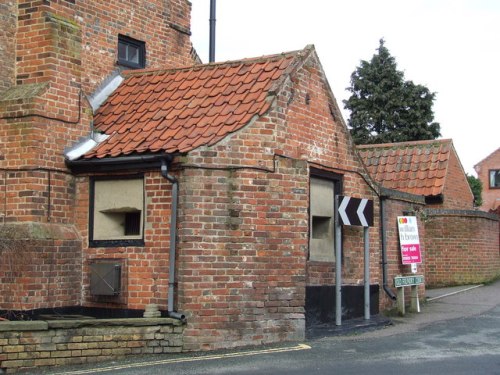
<point>146,268</point>
<point>457,193</point>
<point>25,345</point>
<point>462,247</point>
<point>395,206</point>
<point>243,240</point>
<point>54,56</point>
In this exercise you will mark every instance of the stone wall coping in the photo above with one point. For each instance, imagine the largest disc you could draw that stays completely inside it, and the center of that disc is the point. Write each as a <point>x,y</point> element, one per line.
<point>42,325</point>
<point>38,325</point>
<point>470,213</point>
<point>401,195</point>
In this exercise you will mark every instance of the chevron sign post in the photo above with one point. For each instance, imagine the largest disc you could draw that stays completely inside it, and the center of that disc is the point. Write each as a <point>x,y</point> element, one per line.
<point>355,211</point>
<point>359,212</point>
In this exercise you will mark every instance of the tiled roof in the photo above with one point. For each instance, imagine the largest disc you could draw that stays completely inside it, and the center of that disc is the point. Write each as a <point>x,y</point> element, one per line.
<point>413,167</point>
<point>181,109</point>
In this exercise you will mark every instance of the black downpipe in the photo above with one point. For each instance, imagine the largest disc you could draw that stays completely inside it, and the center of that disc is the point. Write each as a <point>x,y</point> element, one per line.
<point>173,236</point>
<point>211,53</point>
<point>387,290</point>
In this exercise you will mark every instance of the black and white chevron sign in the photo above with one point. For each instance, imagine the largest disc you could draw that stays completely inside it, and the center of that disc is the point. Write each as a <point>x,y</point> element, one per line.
<point>355,211</point>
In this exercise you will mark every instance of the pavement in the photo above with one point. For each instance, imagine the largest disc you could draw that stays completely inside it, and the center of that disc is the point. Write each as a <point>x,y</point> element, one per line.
<point>438,305</point>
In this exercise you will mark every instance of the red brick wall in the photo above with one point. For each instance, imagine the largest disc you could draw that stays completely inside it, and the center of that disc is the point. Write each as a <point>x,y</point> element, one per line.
<point>315,131</point>
<point>63,50</point>
<point>243,239</point>
<point>393,208</point>
<point>145,267</point>
<point>491,197</point>
<point>242,248</point>
<point>457,193</point>
<point>462,247</point>
<point>40,268</point>
<point>163,25</point>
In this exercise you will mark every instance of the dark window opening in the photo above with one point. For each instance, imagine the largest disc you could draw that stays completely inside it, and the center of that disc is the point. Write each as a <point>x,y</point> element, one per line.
<point>131,52</point>
<point>132,223</point>
<point>321,227</point>
<point>495,179</point>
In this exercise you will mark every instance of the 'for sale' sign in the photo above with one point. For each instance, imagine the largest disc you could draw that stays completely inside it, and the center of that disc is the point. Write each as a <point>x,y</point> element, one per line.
<point>408,239</point>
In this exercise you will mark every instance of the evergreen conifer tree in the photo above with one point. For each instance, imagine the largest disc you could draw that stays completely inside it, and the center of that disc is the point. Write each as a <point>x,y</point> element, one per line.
<point>384,107</point>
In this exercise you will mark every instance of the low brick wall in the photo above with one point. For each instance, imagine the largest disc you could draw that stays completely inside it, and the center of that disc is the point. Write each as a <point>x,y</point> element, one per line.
<point>69,342</point>
<point>462,247</point>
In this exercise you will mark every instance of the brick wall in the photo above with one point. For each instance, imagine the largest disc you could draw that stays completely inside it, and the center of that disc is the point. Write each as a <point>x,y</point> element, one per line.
<point>242,248</point>
<point>55,55</point>
<point>401,204</point>
<point>462,247</point>
<point>457,193</point>
<point>38,344</point>
<point>145,268</point>
<point>243,238</point>
<point>491,197</point>
<point>41,266</point>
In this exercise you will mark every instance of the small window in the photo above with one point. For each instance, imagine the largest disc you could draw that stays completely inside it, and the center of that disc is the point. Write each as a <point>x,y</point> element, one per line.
<point>495,179</point>
<point>131,52</point>
<point>117,212</point>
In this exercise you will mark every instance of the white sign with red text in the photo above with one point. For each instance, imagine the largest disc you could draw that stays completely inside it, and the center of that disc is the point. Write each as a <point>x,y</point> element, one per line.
<point>409,240</point>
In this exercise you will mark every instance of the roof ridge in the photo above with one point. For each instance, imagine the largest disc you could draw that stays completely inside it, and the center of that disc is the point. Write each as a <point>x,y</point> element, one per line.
<point>407,143</point>
<point>213,65</point>
<point>486,157</point>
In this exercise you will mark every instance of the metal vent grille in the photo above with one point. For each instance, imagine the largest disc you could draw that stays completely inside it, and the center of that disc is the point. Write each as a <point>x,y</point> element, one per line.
<point>105,279</point>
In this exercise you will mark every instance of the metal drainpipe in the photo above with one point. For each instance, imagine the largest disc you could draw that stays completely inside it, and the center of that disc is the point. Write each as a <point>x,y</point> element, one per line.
<point>387,290</point>
<point>211,49</point>
<point>173,236</point>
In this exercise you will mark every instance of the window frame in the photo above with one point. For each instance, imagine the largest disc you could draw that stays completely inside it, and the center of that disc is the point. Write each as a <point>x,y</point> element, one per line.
<point>141,49</point>
<point>119,242</point>
<point>497,171</point>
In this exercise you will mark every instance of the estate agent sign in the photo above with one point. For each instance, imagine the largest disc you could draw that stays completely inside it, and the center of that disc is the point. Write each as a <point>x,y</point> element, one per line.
<point>409,240</point>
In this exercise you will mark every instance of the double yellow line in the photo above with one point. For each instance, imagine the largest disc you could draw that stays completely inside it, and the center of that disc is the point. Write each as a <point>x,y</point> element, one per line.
<point>189,359</point>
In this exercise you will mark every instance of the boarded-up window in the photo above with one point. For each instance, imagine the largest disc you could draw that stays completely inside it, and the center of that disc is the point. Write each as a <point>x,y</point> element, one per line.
<point>321,242</point>
<point>117,209</point>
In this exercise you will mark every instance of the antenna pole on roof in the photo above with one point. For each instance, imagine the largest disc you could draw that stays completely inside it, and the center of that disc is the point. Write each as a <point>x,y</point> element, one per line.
<point>211,53</point>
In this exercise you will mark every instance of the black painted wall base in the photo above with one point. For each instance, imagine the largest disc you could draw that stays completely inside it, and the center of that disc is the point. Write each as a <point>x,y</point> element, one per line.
<point>320,303</point>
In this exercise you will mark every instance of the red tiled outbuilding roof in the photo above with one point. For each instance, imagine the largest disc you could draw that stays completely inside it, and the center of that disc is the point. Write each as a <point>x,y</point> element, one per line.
<point>418,167</point>
<point>178,110</point>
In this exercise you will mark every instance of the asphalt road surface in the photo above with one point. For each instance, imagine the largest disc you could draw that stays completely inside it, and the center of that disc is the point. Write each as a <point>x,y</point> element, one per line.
<point>466,344</point>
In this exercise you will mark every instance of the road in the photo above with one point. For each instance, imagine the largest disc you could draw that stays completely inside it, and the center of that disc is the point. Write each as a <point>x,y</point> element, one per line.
<point>467,344</point>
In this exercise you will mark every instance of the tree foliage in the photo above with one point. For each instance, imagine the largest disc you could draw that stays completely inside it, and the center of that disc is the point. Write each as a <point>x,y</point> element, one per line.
<point>384,107</point>
<point>477,188</point>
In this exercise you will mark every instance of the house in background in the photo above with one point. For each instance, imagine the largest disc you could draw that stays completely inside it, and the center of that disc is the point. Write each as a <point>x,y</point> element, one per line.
<point>461,243</point>
<point>428,168</point>
<point>488,172</point>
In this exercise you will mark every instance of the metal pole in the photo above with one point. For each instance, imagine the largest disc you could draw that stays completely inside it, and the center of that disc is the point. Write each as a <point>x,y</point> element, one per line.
<point>338,266</point>
<point>211,47</point>
<point>367,272</point>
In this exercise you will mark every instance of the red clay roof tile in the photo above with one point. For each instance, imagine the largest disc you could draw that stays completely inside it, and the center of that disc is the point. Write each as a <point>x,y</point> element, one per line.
<point>181,109</point>
<point>413,167</point>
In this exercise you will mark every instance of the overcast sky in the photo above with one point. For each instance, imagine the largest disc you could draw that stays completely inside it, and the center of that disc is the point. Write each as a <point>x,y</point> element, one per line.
<point>450,46</point>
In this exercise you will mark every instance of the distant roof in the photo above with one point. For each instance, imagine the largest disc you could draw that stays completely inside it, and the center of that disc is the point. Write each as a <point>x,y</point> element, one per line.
<point>413,167</point>
<point>178,110</point>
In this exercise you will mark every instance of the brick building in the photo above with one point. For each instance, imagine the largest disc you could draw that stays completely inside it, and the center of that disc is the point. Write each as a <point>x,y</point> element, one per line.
<point>428,168</point>
<point>488,172</point>
<point>199,188</point>
<point>460,243</point>
<point>131,175</point>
